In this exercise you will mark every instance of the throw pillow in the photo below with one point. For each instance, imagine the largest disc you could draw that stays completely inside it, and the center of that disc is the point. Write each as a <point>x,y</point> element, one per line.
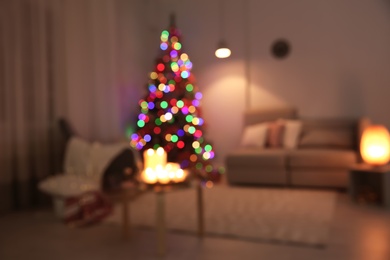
<point>327,138</point>
<point>292,131</point>
<point>77,156</point>
<point>275,134</point>
<point>101,156</point>
<point>254,135</point>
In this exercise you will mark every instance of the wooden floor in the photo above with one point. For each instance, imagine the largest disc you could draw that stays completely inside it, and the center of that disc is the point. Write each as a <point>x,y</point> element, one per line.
<point>358,232</point>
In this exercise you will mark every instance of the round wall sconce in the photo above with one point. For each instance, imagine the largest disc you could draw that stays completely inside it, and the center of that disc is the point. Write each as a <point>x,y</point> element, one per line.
<point>280,49</point>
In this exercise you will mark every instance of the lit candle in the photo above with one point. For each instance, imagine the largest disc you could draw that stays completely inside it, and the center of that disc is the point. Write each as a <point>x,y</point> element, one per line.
<point>150,176</point>
<point>148,159</point>
<point>171,168</point>
<point>162,175</point>
<point>154,158</point>
<point>158,170</point>
<point>161,157</point>
<point>180,176</point>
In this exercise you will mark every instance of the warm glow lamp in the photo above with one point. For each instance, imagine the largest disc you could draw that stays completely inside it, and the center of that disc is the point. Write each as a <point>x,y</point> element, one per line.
<point>223,51</point>
<point>375,145</point>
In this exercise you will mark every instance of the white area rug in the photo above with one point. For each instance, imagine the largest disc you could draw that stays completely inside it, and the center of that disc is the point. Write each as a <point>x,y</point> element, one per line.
<point>266,214</point>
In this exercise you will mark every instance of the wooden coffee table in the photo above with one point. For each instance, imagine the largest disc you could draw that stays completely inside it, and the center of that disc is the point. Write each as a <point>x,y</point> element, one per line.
<point>128,193</point>
<point>124,196</point>
<point>160,192</point>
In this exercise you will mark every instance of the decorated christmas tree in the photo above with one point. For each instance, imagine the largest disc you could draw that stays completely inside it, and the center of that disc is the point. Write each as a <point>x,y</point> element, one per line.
<point>170,114</point>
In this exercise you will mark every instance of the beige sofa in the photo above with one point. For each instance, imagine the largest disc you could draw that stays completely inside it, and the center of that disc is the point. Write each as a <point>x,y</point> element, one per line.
<point>326,150</point>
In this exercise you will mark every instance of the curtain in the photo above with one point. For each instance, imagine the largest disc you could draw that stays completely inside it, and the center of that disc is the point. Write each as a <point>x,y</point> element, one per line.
<point>27,112</point>
<point>80,60</point>
<point>100,40</point>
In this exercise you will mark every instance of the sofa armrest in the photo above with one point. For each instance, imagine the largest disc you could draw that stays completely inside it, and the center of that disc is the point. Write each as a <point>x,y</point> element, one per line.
<point>363,123</point>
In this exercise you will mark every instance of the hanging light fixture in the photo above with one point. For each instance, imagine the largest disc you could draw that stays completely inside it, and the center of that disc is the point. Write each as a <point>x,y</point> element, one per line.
<point>222,50</point>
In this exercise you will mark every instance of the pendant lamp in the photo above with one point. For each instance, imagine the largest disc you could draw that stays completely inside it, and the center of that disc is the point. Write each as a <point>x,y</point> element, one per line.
<point>222,49</point>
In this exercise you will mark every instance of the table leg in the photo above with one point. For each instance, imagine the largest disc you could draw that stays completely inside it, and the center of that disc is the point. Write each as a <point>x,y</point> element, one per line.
<point>160,217</point>
<point>386,190</point>
<point>200,209</point>
<point>125,217</point>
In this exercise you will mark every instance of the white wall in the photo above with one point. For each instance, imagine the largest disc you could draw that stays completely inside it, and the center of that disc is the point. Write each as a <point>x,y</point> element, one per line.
<point>338,66</point>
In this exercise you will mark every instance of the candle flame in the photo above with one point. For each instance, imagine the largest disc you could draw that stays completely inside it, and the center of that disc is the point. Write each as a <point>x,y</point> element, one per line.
<point>158,170</point>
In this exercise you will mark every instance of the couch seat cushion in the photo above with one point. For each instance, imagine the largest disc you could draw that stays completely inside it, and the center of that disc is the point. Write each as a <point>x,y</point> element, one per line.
<point>322,158</point>
<point>257,157</point>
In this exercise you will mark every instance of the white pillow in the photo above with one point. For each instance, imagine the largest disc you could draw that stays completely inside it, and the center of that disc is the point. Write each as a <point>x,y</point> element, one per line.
<point>84,166</point>
<point>255,135</point>
<point>77,156</point>
<point>292,131</point>
<point>101,156</point>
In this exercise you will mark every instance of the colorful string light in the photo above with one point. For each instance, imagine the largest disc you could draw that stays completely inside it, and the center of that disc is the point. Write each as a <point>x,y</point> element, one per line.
<point>169,116</point>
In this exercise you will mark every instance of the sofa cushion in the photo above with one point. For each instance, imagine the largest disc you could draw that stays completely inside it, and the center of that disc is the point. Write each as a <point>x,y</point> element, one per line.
<point>255,135</point>
<point>326,158</point>
<point>275,134</point>
<point>327,132</point>
<point>257,157</point>
<point>327,138</point>
<point>329,123</point>
<point>292,132</point>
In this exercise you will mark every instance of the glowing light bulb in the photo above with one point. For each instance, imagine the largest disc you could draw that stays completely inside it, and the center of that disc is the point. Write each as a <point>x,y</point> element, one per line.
<point>195,144</point>
<point>153,75</point>
<point>185,74</point>
<point>375,145</point>
<point>180,144</point>
<point>164,46</point>
<point>223,53</point>
<point>184,56</point>
<point>168,116</point>
<point>174,110</point>
<point>206,155</point>
<point>160,67</point>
